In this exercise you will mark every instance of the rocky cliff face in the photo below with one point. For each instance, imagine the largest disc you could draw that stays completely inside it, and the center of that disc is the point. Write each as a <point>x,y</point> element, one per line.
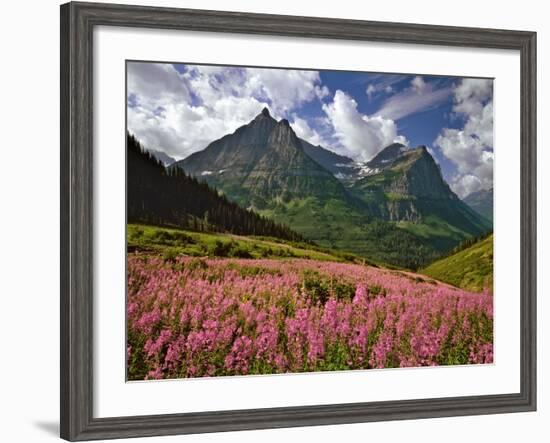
<point>406,185</point>
<point>285,171</point>
<point>330,198</point>
<point>261,163</point>
<point>233,155</point>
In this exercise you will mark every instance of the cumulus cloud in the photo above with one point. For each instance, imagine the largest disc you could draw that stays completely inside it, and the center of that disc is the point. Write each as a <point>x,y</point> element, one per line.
<point>307,133</point>
<point>180,111</point>
<point>156,81</point>
<point>361,135</point>
<point>419,96</point>
<point>470,148</point>
<point>285,89</point>
<point>464,185</point>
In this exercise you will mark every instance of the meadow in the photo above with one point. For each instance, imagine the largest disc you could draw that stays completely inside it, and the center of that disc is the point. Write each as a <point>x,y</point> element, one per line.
<point>262,307</point>
<point>470,268</point>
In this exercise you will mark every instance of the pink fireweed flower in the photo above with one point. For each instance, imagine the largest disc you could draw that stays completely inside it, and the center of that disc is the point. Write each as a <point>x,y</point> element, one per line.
<point>240,316</point>
<point>239,358</point>
<point>148,321</point>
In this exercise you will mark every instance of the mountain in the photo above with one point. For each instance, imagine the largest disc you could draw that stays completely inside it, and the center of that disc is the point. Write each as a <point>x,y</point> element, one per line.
<point>342,167</point>
<point>482,202</point>
<point>261,164</point>
<point>396,208</point>
<point>469,268</point>
<point>386,157</point>
<point>172,198</point>
<point>285,172</point>
<point>405,186</point>
<point>162,157</point>
<point>264,166</point>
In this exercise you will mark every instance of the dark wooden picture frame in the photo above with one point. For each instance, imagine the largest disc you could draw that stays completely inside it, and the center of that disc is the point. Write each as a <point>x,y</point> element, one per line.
<point>77,24</point>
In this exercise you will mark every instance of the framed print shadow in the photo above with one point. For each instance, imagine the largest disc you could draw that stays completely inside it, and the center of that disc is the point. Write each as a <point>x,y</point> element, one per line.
<point>255,235</point>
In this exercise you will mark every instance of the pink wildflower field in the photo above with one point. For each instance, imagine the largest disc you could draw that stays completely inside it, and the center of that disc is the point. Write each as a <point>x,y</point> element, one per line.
<point>194,317</point>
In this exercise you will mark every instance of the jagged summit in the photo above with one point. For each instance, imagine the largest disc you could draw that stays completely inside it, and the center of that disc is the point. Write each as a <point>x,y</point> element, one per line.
<point>265,166</point>
<point>387,156</point>
<point>261,163</point>
<point>264,116</point>
<point>406,185</point>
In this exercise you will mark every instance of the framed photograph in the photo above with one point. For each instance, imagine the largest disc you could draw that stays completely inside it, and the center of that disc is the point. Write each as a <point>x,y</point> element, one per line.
<point>272,221</point>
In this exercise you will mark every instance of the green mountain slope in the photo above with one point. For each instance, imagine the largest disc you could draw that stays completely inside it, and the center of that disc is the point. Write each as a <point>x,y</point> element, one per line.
<point>173,242</point>
<point>470,268</point>
<point>397,208</point>
<point>405,186</point>
<point>261,164</point>
<point>158,196</point>
<point>264,166</point>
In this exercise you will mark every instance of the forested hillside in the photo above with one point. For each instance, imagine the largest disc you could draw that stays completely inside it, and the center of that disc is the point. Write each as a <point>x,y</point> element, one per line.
<point>159,196</point>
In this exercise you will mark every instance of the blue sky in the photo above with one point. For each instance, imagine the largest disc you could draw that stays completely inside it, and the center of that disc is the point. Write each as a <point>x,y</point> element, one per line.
<point>180,109</point>
<point>420,127</point>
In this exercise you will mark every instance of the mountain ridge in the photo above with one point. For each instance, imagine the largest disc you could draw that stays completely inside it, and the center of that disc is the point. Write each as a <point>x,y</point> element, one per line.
<point>407,187</point>
<point>262,160</point>
<point>265,166</point>
<point>482,202</point>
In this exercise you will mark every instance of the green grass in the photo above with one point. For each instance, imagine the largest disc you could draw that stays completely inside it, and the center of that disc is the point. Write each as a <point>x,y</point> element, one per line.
<point>436,231</point>
<point>392,196</point>
<point>470,268</point>
<point>338,225</point>
<point>172,242</point>
<point>332,224</point>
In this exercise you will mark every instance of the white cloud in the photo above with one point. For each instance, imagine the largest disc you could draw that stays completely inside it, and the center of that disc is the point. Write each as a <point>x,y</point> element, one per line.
<point>285,89</point>
<point>464,185</point>
<point>155,81</point>
<point>418,84</point>
<point>180,113</point>
<point>470,95</point>
<point>419,96</point>
<point>374,89</point>
<point>362,136</point>
<point>321,92</point>
<point>471,147</point>
<point>371,89</point>
<point>382,84</point>
<point>306,132</point>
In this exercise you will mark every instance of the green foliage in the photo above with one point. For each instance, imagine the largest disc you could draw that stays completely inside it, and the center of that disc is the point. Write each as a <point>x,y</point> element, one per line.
<point>170,254</point>
<point>169,197</point>
<point>390,244</point>
<point>230,248</point>
<point>471,267</point>
<point>336,225</point>
<point>172,242</point>
<point>319,288</point>
<point>310,220</point>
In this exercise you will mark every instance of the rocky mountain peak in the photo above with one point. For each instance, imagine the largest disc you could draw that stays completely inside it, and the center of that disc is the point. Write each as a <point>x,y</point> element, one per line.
<point>387,156</point>
<point>283,134</point>
<point>264,115</point>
